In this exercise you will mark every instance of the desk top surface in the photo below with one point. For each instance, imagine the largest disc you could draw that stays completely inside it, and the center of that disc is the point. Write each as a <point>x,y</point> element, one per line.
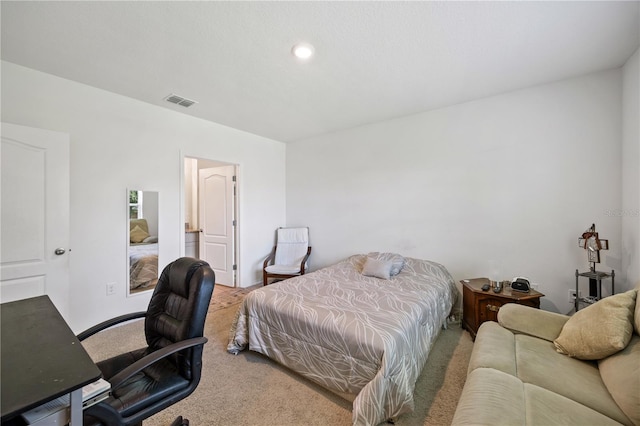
<point>41,357</point>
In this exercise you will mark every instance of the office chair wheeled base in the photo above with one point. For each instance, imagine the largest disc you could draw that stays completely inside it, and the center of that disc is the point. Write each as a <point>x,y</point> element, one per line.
<point>180,422</point>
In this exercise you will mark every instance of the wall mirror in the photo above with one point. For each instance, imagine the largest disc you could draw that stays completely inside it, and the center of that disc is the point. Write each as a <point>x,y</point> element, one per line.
<point>143,240</point>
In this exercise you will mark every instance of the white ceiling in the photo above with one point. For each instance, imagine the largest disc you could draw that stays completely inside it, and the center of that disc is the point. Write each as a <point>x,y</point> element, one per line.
<point>374,60</point>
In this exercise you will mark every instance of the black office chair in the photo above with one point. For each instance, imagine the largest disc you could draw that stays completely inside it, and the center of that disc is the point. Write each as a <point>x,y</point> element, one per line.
<point>148,380</point>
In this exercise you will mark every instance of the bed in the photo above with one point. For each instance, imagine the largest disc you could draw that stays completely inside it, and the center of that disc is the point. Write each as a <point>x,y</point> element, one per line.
<point>143,256</point>
<point>362,337</point>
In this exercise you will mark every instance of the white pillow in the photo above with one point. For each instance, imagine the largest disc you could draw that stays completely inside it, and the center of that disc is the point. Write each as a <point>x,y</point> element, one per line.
<point>377,268</point>
<point>396,260</point>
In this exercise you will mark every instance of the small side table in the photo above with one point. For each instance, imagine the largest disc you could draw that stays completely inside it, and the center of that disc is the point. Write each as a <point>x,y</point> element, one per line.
<point>598,276</point>
<point>479,306</point>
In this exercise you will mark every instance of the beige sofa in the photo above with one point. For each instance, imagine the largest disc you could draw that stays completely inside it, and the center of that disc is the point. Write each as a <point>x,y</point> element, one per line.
<point>517,376</point>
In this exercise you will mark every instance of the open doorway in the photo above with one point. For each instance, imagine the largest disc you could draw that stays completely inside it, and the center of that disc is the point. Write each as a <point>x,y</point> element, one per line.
<point>211,206</point>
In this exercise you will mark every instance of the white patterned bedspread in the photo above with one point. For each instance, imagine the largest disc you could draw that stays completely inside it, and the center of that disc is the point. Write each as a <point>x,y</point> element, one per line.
<point>351,333</point>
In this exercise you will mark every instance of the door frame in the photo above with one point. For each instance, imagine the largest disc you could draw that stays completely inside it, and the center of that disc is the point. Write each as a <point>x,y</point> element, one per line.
<point>236,207</point>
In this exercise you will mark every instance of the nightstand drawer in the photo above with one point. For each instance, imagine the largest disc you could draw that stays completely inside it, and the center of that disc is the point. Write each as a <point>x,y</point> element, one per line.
<point>488,309</point>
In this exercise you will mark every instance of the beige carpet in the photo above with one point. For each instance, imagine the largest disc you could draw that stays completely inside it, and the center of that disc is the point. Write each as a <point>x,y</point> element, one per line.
<point>228,296</point>
<point>249,389</point>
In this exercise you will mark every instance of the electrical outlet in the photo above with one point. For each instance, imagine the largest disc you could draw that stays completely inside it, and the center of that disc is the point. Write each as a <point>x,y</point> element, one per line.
<point>572,295</point>
<point>111,289</point>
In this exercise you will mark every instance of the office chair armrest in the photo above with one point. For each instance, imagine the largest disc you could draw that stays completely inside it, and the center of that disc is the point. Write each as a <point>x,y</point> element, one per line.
<point>304,260</point>
<point>110,323</point>
<point>144,362</point>
<point>271,256</point>
<point>104,413</point>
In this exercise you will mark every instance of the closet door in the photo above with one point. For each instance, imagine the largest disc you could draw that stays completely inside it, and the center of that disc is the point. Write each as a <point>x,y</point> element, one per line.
<point>216,218</point>
<point>34,215</point>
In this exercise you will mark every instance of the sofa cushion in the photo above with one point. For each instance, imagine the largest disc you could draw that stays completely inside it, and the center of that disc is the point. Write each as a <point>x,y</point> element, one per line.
<point>621,375</point>
<point>543,407</point>
<point>490,397</point>
<point>494,348</point>
<point>599,330</point>
<point>539,364</point>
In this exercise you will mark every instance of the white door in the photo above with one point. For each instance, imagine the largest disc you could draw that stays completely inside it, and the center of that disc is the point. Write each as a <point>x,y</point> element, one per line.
<point>34,251</point>
<point>216,217</point>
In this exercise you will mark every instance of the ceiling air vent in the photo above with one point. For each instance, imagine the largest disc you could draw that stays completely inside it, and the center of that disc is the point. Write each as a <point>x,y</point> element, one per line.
<point>179,100</point>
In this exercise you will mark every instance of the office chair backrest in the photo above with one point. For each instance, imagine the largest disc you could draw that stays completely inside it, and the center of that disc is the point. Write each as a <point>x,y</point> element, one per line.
<point>178,309</point>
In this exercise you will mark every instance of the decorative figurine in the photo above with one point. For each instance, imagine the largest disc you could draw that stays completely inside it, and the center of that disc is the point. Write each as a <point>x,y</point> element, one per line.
<point>591,242</point>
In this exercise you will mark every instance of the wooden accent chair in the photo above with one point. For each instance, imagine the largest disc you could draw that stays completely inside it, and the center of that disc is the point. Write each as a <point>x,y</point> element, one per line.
<point>289,256</point>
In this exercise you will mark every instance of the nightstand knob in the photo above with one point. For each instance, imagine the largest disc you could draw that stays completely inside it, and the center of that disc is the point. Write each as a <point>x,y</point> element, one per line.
<point>493,308</point>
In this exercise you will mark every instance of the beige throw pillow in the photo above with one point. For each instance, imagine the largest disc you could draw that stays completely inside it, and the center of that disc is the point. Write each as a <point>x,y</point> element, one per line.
<point>137,234</point>
<point>599,330</point>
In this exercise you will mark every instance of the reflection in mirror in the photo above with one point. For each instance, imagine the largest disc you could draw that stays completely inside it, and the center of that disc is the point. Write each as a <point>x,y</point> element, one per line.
<point>143,240</point>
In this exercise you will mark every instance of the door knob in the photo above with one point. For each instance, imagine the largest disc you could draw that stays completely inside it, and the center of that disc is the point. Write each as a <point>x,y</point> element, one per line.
<point>59,251</point>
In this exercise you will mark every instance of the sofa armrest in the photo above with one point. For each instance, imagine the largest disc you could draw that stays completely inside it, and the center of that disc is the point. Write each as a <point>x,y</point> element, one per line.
<point>534,322</point>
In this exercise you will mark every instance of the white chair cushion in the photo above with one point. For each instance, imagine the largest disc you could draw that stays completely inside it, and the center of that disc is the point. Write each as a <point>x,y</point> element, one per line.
<point>283,269</point>
<point>292,247</point>
<point>293,235</point>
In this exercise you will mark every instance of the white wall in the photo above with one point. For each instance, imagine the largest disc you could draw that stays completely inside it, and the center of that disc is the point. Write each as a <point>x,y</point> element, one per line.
<point>119,143</point>
<point>150,211</point>
<point>630,211</point>
<point>498,187</point>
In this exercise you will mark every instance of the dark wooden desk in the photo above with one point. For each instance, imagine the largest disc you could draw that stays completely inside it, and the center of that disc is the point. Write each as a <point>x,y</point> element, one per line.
<point>41,359</point>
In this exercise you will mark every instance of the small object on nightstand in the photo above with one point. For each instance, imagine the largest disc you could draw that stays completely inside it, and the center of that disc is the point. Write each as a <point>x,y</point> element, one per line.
<point>498,287</point>
<point>485,287</point>
<point>520,284</point>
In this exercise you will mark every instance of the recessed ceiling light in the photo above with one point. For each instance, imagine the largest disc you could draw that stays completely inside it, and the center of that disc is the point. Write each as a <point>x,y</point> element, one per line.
<point>302,50</point>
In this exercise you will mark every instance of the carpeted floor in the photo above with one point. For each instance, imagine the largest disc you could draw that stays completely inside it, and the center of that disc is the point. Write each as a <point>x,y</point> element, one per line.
<point>228,296</point>
<point>249,389</point>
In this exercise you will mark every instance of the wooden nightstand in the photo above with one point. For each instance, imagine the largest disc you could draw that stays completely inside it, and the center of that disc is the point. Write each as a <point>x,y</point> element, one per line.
<point>479,306</point>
